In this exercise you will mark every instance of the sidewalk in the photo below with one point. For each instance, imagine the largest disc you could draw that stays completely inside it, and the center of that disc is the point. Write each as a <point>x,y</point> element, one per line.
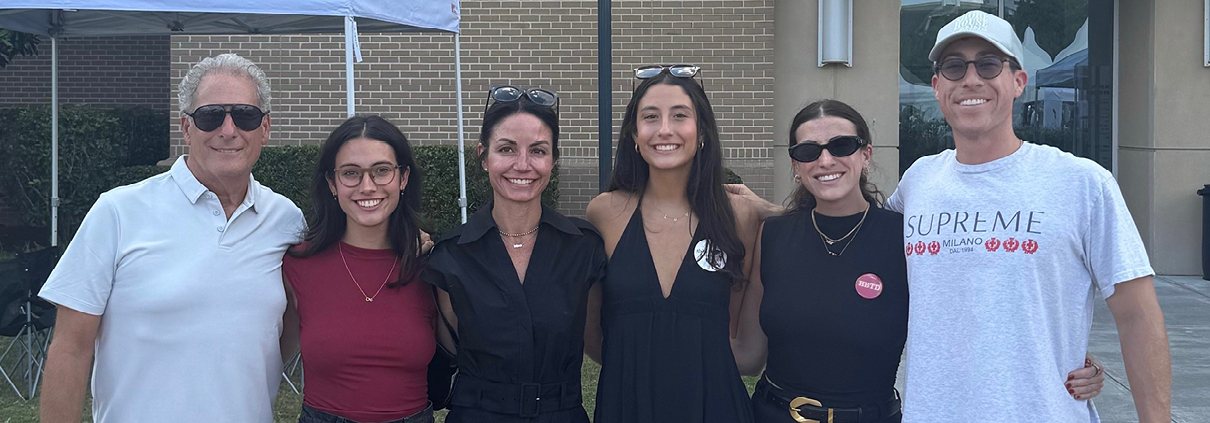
<point>1186,304</point>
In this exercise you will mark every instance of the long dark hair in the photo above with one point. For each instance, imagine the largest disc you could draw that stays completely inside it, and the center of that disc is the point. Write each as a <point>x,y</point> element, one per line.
<point>706,176</point>
<point>326,221</point>
<point>801,198</point>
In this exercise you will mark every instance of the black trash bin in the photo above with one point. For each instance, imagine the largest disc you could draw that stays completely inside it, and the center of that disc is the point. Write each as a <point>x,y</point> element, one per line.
<point>1205,193</point>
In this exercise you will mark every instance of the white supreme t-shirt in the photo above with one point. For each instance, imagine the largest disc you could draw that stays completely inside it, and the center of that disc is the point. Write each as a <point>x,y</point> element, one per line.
<point>1003,262</point>
<point>190,301</point>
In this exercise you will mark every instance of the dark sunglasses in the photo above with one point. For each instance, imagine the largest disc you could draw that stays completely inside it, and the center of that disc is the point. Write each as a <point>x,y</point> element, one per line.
<point>507,93</point>
<point>679,71</point>
<point>954,69</point>
<point>841,146</point>
<point>211,116</point>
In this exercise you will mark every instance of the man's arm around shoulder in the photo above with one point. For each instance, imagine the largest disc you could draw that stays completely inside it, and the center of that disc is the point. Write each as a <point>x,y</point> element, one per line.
<point>67,365</point>
<point>1140,323</point>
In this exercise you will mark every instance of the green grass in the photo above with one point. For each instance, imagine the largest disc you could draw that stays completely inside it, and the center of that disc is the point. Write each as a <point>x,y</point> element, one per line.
<point>15,410</point>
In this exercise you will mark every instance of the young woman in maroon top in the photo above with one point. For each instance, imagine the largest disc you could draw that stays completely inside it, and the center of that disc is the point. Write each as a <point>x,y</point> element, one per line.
<point>364,323</point>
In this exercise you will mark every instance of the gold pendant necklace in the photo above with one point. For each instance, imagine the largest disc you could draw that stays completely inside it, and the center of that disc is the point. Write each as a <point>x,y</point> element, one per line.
<point>519,244</point>
<point>369,298</point>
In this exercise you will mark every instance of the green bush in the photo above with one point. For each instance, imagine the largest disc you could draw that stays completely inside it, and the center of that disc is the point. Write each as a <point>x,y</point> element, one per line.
<point>144,135</point>
<point>288,171</point>
<point>89,156</point>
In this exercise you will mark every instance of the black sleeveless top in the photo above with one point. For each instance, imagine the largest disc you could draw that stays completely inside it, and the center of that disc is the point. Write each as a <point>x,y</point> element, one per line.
<point>834,333</point>
<point>666,359</point>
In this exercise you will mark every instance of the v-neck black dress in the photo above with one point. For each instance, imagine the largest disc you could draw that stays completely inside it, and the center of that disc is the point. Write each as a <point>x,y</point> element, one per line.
<point>666,359</point>
<point>520,346</point>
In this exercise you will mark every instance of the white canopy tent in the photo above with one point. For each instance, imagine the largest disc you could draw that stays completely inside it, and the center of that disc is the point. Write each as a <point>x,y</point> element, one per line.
<point>96,18</point>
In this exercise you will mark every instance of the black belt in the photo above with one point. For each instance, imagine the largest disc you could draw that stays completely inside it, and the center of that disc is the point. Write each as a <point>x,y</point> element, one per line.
<point>813,410</point>
<point>519,399</point>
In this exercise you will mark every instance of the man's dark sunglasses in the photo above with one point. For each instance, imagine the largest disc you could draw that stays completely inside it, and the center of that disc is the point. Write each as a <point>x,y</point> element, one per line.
<point>211,116</point>
<point>507,93</point>
<point>809,151</point>
<point>954,69</point>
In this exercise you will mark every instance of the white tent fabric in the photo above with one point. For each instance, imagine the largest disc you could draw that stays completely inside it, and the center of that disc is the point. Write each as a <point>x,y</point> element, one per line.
<point>96,18</point>
<point>93,18</point>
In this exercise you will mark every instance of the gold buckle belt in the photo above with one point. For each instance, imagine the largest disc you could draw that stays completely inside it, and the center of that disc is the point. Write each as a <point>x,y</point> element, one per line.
<point>801,401</point>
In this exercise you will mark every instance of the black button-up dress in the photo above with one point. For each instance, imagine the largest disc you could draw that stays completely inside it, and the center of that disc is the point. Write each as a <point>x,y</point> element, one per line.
<point>513,333</point>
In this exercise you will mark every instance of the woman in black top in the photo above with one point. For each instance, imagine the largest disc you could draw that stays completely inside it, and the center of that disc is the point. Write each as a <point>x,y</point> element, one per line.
<point>514,279</point>
<point>827,302</point>
<point>677,247</point>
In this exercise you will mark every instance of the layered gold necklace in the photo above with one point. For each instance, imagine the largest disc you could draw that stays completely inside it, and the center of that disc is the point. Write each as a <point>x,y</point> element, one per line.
<point>828,241</point>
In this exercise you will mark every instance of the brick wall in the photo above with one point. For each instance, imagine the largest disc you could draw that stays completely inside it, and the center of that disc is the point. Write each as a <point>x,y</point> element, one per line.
<point>121,71</point>
<point>409,78</point>
<point>127,71</point>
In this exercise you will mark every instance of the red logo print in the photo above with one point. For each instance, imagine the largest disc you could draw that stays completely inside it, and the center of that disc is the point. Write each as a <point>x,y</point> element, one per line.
<point>1029,246</point>
<point>908,250</point>
<point>992,244</point>
<point>1010,246</point>
<point>934,247</point>
<point>919,247</point>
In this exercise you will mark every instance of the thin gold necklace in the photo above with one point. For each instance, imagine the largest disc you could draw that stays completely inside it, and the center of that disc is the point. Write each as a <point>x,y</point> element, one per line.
<point>673,219</point>
<point>369,298</point>
<point>827,241</point>
<point>519,244</point>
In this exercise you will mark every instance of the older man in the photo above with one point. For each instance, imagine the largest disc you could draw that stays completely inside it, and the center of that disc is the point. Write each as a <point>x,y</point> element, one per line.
<point>175,282</point>
<point>1007,244</point>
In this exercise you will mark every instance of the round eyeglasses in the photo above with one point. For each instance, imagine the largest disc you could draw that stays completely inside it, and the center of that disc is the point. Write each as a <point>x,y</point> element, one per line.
<point>351,176</point>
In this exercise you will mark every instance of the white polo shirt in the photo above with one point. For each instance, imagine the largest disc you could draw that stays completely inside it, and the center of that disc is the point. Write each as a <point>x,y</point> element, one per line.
<point>190,301</point>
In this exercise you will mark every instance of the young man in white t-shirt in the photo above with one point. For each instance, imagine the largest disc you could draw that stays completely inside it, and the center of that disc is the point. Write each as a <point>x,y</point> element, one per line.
<point>1007,244</point>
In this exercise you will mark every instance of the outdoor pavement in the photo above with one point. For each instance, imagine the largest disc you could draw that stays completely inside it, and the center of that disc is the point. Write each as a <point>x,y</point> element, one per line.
<point>1186,304</point>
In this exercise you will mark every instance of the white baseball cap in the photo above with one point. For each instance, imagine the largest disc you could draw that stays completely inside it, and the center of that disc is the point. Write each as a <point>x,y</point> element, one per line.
<point>980,24</point>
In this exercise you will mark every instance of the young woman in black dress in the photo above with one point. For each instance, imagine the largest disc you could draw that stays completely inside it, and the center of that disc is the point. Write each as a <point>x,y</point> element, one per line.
<point>825,312</point>
<point>677,246</point>
<point>514,279</point>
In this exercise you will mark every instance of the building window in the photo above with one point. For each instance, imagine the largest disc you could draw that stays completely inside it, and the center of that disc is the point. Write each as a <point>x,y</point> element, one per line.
<point>1068,101</point>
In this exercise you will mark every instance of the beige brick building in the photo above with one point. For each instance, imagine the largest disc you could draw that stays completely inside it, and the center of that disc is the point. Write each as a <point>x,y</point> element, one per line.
<point>409,78</point>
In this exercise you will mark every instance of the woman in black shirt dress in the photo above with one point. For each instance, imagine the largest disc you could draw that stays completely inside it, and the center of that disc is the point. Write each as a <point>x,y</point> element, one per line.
<point>514,279</point>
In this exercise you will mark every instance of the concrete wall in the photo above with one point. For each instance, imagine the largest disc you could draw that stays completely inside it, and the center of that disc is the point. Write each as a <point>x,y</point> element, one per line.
<point>1164,135</point>
<point>870,85</point>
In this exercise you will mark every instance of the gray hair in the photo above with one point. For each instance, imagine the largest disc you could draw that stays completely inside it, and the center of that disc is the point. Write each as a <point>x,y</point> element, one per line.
<point>226,63</point>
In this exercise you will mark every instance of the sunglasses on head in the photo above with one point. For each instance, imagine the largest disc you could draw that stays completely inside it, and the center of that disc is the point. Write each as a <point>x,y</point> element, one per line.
<point>841,146</point>
<point>679,71</point>
<point>211,116</point>
<point>507,93</point>
<point>954,69</point>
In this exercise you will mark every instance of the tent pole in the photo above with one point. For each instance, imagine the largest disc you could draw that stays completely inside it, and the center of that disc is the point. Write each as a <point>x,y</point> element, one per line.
<point>54,141</point>
<point>604,93</point>
<point>349,64</point>
<point>461,132</point>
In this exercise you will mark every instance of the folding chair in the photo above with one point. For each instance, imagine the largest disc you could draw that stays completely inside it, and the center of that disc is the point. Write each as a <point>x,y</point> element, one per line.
<point>289,368</point>
<point>27,319</point>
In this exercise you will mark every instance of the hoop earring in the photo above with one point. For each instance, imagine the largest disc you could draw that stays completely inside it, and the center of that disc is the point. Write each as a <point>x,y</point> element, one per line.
<point>797,179</point>
<point>701,145</point>
<point>636,147</point>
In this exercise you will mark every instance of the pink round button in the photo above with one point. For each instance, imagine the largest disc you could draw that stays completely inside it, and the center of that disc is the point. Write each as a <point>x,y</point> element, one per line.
<point>869,286</point>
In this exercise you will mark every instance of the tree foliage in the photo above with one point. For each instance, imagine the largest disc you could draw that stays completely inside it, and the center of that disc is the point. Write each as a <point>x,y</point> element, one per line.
<point>13,44</point>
